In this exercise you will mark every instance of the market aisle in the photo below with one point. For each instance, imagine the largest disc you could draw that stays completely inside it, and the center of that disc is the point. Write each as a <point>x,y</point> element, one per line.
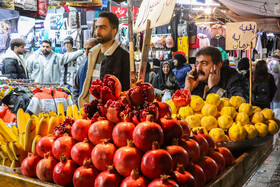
<point>268,174</point>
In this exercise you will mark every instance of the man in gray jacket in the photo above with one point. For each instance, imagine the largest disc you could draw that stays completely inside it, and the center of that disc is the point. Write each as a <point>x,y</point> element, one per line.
<point>45,65</point>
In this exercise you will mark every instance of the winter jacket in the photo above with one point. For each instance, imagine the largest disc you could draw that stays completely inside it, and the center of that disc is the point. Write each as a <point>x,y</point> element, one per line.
<point>277,83</point>
<point>14,66</point>
<point>181,74</point>
<point>7,116</point>
<point>231,84</point>
<point>217,29</point>
<point>35,64</point>
<point>79,82</point>
<point>115,62</point>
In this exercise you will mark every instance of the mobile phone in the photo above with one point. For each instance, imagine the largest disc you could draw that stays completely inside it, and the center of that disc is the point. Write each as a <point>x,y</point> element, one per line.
<point>195,74</point>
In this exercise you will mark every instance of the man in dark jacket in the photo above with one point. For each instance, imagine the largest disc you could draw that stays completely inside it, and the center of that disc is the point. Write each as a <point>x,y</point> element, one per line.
<point>210,76</point>
<point>13,64</point>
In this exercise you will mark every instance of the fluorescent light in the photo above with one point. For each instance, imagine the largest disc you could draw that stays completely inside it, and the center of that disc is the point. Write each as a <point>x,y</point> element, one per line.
<point>193,2</point>
<point>208,10</point>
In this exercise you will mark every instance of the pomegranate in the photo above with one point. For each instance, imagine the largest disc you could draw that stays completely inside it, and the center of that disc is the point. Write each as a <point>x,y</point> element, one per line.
<point>79,130</point>
<point>192,147</point>
<point>63,145</point>
<point>44,169</point>
<point>81,151</point>
<point>163,108</point>
<point>122,132</point>
<point>92,109</point>
<point>171,129</point>
<point>227,155</point>
<point>209,167</point>
<point>134,180</point>
<point>156,162</point>
<point>142,92</point>
<point>198,174</point>
<point>100,130</point>
<point>186,130</point>
<point>64,127</point>
<point>29,164</point>
<point>179,154</point>
<point>182,177</point>
<point>163,182</point>
<point>63,171</point>
<point>44,145</point>
<point>203,144</point>
<point>146,133</point>
<point>102,155</point>
<point>109,178</point>
<point>127,158</point>
<point>219,159</point>
<point>207,137</point>
<point>181,98</point>
<point>85,175</point>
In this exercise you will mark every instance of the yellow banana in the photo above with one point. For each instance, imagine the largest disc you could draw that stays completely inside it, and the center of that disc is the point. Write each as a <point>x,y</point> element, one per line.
<point>21,139</point>
<point>3,151</point>
<point>9,150</point>
<point>2,140</point>
<point>69,112</point>
<point>30,133</point>
<point>18,151</point>
<point>41,114</point>
<point>6,162</point>
<point>34,142</point>
<point>15,164</point>
<point>82,112</point>
<point>75,112</point>
<point>53,123</point>
<point>50,113</point>
<point>21,122</point>
<point>27,116</point>
<point>15,130</point>
<point>36,120</point>
<point>43,126</point>
<point>60,109</point>
<point>6,132</point>
<point>61,118</point>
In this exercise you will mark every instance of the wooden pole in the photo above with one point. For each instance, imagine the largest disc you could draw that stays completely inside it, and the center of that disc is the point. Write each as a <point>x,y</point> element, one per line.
<point>145,51</point>
<point>131,46</point>
<point>250,78</point>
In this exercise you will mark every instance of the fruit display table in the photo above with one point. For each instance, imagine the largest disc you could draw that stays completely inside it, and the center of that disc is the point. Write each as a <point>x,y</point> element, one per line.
<point>236,175</point>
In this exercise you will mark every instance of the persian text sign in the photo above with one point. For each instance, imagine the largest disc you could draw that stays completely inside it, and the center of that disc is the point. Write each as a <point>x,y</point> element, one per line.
<point>158,11</point>
<point>239,35</point>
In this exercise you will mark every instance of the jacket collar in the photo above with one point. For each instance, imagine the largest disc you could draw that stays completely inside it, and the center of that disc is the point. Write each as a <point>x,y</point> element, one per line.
<point>109,51</point>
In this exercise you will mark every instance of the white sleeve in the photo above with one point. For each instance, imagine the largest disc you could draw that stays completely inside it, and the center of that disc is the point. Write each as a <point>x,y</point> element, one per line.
<point>34,106</point>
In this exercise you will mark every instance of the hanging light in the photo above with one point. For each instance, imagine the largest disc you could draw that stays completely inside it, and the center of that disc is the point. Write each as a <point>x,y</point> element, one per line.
<point>208,10</point>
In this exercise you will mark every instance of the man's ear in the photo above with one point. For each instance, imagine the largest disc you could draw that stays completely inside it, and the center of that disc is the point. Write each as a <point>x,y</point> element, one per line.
<point>114,32</point>
<point>220,64</point>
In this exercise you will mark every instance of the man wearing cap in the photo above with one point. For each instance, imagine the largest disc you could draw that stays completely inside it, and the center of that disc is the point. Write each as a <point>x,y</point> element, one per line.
<point>45,65</point>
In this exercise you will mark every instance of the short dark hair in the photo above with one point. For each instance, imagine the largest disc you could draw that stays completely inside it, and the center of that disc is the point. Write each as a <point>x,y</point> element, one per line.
<point>16,42</point>
<point>47,41</point>
<point>214,52</point>
<point>113,19</point>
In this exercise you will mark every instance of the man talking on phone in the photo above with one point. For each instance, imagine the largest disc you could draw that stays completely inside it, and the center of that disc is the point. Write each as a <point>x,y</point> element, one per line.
<point>210,76</point>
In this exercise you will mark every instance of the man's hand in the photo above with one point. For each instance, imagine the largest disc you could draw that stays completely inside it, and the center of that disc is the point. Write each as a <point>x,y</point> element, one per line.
<point>165,90</point>
<point>190,82</point>
<point>214,76</point>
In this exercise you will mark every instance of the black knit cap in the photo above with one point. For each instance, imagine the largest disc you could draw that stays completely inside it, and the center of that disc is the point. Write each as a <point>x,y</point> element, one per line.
<point>68,39</point>
<point>156,62</point>
<point>243,64</point>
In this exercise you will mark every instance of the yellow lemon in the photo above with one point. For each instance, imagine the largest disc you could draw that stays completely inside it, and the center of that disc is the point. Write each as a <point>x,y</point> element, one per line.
<point>199,115</point>
<point>236,101</point>
<point>237,132</point>
<point>217,134</point>
<point>193,121</point>
<point>209,122</point>
<point>256,109</point>
<point>268,113</point>
<point>247,108</point>
<point>197,103</point>
<point>185,112</point>
<point>194,96</point>
<point>225,121</point>
<point>262,129</point>
<point>209,109</point>
<point>257,117</point>
<point>174,109</point>
<point>243,118</point>
<point>199,128</point>
<point>213,99</point>
<point>226,101</point>
<point>272,126</point>
<point>229,110</point>
<point>251,131</point>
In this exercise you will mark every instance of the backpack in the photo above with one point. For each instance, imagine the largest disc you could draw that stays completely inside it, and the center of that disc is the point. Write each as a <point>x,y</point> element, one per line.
<point>261,93</point>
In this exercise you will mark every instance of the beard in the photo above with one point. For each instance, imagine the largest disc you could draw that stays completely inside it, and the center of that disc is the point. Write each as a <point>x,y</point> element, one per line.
<point>45,52</point>
<point>104,39</point>
<point>20,53</point>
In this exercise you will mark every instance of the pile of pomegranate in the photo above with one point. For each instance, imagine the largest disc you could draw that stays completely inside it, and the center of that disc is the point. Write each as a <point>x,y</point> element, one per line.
<point>126,140</point>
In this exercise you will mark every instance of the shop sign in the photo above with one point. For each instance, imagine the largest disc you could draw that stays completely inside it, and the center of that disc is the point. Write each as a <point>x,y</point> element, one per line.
<point>158,11</point>
<point>122,11</point>
<point>240,35</point>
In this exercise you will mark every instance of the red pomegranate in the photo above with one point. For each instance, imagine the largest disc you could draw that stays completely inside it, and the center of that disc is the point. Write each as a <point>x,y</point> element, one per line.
<point>100,130</point>
<point>63,145</point>
<point>219,159</point>
<point>44,169</point>
<point>85,175</point>
<point>171,129</point>
<point>29,164</point>
<point>114,109</point>
<point>207,137</point>
<point>63,171</point>
<point>109,178</point>
<point>181,98</point>
<point>102,155</point>
<point>81,151</point>
<point>79,130</point>
<point>227,155</point>
<point>146,133</point>
<point>186,130</point>
<point>179,154</point>
<point>134,180</point>
<point>44,145</point>
<point>163,182</point>
<point>127,158</point>
<point>163,108</point>
<point>203,144</point>
<point>192,147</point>
<point>156,162</point>
<point>182,177</point>
<point>198,174</point>
<point>142,92</point>
<point>122,132</point>
<point>209,167</point>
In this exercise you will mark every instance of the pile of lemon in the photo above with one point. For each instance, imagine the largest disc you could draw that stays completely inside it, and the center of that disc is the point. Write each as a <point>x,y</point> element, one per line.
<point>227,119</point>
